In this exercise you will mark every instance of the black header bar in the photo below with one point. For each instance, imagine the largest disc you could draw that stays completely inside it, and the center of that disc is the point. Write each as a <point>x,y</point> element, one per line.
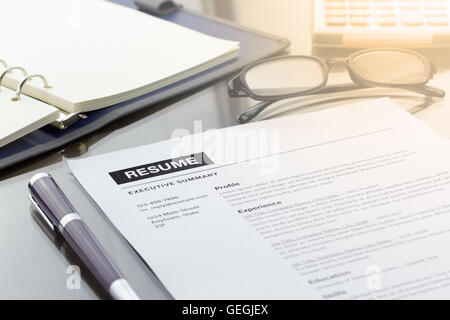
<point>151,170</point>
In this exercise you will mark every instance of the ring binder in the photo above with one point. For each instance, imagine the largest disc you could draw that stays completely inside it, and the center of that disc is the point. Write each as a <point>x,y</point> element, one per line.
<point>65,119</point>
<point>2,75</point>
<point>24,80</point>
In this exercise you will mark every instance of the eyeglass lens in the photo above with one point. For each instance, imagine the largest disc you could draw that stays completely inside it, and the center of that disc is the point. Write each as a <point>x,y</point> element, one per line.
<point>291,75</point>
<point>284,76</point>
<point>390,67</point>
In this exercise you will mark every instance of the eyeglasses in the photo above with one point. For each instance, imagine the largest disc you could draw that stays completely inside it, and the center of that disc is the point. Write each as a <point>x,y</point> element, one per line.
<point>286,77</point>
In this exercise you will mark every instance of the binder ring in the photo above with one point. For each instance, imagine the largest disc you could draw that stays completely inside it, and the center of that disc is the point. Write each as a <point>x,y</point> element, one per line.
<point>3,62</point>
<point>24,80</point>
<point>2,75</point>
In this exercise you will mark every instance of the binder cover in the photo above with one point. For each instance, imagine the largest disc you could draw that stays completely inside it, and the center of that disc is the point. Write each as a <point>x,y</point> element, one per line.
<point>254,45</point>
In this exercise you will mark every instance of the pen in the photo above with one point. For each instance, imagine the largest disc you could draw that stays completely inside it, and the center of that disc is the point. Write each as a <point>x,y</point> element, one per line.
<point>56,210</point>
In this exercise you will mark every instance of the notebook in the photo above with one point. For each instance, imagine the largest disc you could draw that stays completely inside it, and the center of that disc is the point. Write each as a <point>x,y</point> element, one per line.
<point>93,54</point>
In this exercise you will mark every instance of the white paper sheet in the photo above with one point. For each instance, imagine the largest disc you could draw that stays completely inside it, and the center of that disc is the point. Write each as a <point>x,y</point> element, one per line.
<point>18,118</point>
<point>350,202</point>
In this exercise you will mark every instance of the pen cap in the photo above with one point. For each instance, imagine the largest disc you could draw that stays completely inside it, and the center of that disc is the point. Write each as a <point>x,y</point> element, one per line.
<point>49,197</point>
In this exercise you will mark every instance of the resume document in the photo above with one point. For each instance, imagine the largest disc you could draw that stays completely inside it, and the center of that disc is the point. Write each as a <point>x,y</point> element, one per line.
<point>347,203</point>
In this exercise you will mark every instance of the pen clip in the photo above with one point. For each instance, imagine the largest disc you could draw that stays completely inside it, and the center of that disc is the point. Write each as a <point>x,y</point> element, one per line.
<point>41,213</point>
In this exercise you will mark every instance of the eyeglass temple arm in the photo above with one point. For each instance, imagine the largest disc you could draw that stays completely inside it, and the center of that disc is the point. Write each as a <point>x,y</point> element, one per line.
<point>426,90</point>
<point>427,101</point>
<point>260,107</point>
<point>251,113</point>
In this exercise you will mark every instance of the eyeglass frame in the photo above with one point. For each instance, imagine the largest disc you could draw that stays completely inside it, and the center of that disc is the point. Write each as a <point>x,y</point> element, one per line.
<point>238,86</point>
